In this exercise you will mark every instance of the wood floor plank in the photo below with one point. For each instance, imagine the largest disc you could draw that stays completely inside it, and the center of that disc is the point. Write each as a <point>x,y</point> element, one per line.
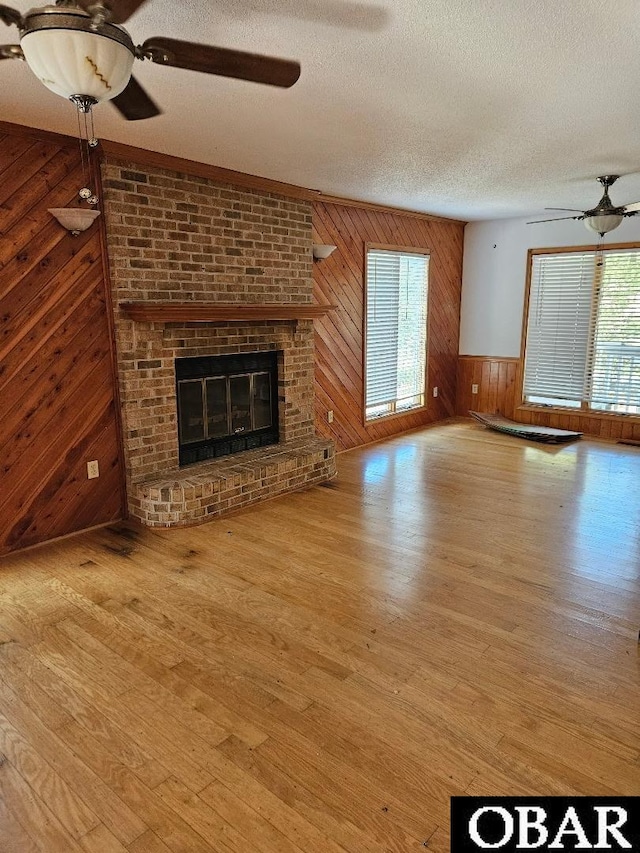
<point>202,818</point>
<point>150,689</point>
<point>100,840</point>
<point>367,805</point>
<point>343,737</point>
<point>456,613</point>
<point>30,688</point>
<point>74,815</point>
<point>315,811</point>
<point>161,650</point>
<point>14,837</point>
<point>280,811</point>
<point>258,832</point>
<point>162,680</point>
<point>75,667</point>
<point>221,630</point>
<point>256,670</point>
<point>158,742</point>
<point>72,704</point>
<point>148,843</point>
<point>121,745</point>
<point>89,786</point>
<point>33,813</point>
<point>169,826</point>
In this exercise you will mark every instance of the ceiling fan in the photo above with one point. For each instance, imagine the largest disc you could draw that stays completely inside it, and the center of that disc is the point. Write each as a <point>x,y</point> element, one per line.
<point>604,217</point>
<point>78,49</point>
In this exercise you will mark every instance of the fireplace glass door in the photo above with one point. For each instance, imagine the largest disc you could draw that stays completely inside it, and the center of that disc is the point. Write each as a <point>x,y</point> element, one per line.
<point>228,411</point>
<point>217,403</point>
<point>191,411</point>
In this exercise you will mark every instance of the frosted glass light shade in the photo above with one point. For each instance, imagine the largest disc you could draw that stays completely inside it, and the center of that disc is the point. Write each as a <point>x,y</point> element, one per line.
<point>74,219</point>
<point>322,251</point>
<point>603,223</point>
<point>73,62</point>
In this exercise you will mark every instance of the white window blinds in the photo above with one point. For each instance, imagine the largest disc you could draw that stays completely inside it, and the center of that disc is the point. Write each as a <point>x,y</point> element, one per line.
<point>614,358</point>
<point>558,329</point>
<point>396,338</point>
<point>583,330</point>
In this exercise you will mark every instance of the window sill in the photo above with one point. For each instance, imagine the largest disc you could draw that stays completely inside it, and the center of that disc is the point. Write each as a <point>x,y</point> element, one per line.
<point>394,416</point>
<point>579,413</point>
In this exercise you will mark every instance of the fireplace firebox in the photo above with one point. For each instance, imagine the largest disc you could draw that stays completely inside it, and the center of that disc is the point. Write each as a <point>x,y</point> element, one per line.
<point>226,404</point>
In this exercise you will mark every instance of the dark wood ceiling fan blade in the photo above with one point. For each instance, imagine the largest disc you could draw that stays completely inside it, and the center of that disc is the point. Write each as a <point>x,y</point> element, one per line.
<point>222,61</point>
<point>11,51</point>
<point>10,16</point>
<point>555,219</point>
<point>120,10</point>
<point>134,103</point>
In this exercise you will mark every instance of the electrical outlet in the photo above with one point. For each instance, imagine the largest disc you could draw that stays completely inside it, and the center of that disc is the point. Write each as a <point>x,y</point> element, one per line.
<point>474,389</point>
<point>435,390</point>
<point>330,416</point>
<point>92,470</point>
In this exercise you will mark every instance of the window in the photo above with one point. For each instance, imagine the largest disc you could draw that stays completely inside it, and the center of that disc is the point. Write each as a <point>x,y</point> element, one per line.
<point>583,331</point>
<point>396,332</point>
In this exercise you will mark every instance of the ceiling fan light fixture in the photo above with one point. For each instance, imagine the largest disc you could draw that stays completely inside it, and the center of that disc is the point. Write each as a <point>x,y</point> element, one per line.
<point>69,58</point>
<point>78,50</point>
<point>602,223</point>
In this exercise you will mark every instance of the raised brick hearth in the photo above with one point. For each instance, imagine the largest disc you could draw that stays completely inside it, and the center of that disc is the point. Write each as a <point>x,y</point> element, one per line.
<point>175,238</point>
<point>208,489</point>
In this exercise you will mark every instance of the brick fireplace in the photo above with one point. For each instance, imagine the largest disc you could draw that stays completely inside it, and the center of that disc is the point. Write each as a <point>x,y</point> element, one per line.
<point>175,238</point>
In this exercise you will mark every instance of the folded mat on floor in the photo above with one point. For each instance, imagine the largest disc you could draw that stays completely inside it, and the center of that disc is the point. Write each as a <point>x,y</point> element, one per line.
<point>535,433</point>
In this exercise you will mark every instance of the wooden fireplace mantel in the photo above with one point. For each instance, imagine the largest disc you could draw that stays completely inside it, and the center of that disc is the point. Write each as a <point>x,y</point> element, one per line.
<point>219,312</point>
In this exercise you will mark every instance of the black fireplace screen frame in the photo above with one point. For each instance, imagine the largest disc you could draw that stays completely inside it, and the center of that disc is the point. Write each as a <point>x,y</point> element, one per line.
<point>256,371</point>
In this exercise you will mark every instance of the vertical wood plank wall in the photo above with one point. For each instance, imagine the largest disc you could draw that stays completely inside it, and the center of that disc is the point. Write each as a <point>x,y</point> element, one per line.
<point>56,376</point>
<point>339,337</point>
<point>496,381</point>
<point>499,383</point>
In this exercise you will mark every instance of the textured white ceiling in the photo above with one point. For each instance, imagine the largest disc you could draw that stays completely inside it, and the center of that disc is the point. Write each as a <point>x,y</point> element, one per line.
<point>467,108</point>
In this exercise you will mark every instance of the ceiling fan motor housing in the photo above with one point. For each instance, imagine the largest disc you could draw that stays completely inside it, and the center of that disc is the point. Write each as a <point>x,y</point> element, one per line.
<point>604,217</point>
<point>72,55</point>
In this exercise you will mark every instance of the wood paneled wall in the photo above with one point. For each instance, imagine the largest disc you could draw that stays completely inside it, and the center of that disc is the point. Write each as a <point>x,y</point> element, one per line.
<point>496,381</point>
<point>499,382</point>
<point>339,337</point>
<point>57,391</point>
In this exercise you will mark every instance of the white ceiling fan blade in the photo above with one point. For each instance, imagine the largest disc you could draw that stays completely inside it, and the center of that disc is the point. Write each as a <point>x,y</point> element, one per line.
<point>629,208</point>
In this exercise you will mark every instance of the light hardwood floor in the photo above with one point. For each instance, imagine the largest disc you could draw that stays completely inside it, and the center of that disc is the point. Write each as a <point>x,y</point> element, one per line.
<point>458,612</point>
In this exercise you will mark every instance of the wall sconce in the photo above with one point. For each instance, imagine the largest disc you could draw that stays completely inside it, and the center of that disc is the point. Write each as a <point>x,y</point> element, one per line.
<point>322,252</point>
<point>74,219</point>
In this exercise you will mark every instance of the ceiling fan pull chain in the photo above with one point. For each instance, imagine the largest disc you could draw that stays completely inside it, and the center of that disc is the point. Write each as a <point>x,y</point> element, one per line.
<point>82,163</point>
<point>92,142</point>
<point>86,137</point>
